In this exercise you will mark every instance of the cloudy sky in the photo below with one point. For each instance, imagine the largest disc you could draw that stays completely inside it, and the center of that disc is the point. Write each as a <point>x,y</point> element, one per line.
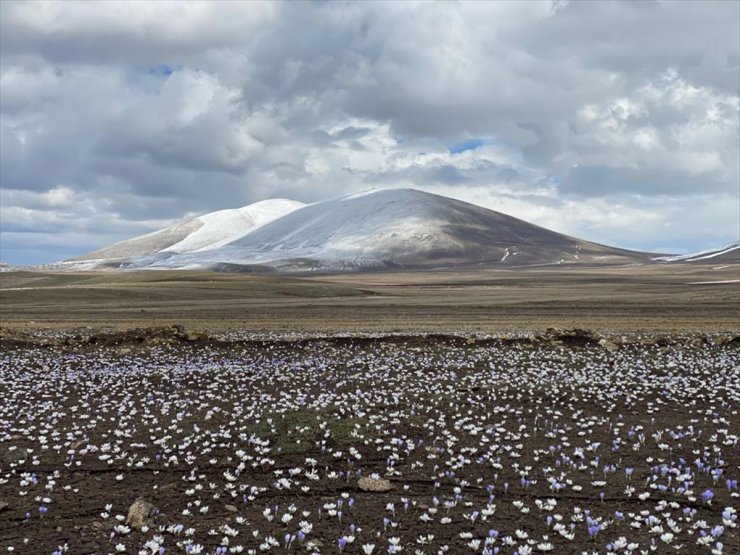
<point>616,122</point>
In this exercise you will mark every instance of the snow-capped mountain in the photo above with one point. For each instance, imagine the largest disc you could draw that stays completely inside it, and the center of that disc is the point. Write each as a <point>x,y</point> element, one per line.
<point>5,267</point>
<point>204,232</point>
<point>390,228</point>
<point>728,253</point>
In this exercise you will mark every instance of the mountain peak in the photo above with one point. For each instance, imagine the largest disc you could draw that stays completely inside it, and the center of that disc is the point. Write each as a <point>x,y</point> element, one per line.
<point>202,232</point>
<point>370,229</point>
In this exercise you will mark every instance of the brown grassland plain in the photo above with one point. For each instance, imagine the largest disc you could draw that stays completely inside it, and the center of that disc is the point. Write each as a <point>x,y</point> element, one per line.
<point>619,299</point>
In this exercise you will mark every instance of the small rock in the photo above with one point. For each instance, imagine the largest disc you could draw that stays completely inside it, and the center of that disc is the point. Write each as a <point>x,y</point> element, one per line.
<point>231,508</point>
<point>13,455</point>
<point>3,505</point>
<point>377,485</point>
<point>608,345</point>
<point>194,335</point>
<point>140,513</point>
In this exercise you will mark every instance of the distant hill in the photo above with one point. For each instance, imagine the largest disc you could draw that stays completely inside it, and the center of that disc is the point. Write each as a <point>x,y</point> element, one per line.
<point>391,228</point>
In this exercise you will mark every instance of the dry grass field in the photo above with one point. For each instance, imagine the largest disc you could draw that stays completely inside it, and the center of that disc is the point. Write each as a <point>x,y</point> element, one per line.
<point>665,298</point>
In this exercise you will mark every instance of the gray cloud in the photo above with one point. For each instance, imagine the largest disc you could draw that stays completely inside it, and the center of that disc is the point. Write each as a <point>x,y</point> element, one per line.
<point>139,114</point>
<point>592,181</point>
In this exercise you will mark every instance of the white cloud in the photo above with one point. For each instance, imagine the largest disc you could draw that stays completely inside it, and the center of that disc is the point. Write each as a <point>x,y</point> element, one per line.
<point>613,123</point>
<point>666,123</point>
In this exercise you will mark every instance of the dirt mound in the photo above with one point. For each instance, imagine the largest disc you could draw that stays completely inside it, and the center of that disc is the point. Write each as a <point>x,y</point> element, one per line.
<point>142,338</point>
<point>571,338</point>
<point>732,341</point>
<point>127,338</point>
<point>16,338</point>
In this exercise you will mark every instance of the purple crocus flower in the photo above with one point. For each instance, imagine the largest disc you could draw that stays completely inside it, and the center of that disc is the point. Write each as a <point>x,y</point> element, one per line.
<point>717,531</point>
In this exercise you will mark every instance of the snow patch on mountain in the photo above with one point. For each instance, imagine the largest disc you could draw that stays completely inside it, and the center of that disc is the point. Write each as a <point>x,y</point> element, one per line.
<point>224,226</point>
<point>702,255</point>
<point>208,231</point>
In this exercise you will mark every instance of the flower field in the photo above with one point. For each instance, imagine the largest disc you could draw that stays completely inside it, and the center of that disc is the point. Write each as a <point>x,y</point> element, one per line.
<point>406,445</point>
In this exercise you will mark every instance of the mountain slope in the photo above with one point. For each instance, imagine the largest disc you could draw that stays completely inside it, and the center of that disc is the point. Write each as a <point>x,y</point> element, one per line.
<point>394,228</point>
<point>729,254</point>
<point>202,232</point>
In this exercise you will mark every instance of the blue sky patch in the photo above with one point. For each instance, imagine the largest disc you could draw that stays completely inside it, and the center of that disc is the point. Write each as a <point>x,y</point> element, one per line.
<point>162,70</point>
<point>470,144</point>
